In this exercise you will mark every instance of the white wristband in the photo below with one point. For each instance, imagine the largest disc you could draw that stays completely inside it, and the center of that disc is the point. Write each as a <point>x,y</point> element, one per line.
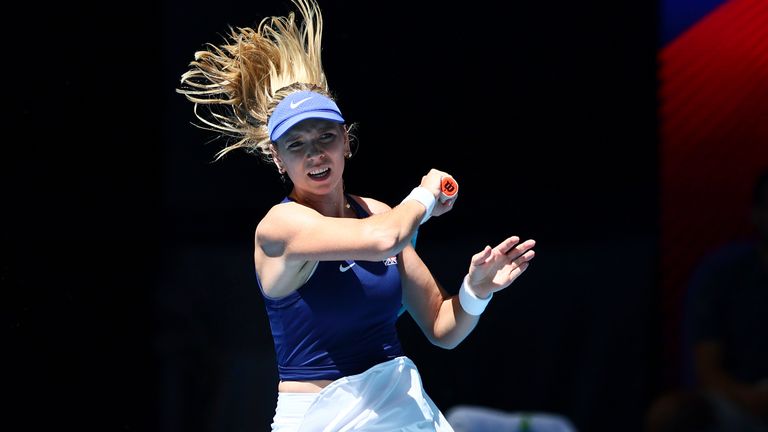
<point>470,302</point>
<point>425,197</point>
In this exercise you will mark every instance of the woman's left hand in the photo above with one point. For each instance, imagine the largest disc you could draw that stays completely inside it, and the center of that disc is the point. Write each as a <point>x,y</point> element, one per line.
<point>494,269</point>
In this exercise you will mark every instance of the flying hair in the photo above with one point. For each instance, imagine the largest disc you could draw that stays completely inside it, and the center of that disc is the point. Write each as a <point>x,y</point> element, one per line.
<point>236,85</point>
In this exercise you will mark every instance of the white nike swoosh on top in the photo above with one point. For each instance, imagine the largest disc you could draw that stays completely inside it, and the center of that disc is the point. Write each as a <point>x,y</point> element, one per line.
<point>343,268</point>
<point>297,103</point>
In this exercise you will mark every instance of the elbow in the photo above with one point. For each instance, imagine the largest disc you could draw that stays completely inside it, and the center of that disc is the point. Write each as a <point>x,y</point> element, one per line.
<point>386,243</point>
<point>447,343</point>
<point>446,346</point>
<point>388,235</point>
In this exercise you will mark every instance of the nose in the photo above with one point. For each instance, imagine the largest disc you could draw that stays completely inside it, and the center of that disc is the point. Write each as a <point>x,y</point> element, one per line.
<point>314,150</point>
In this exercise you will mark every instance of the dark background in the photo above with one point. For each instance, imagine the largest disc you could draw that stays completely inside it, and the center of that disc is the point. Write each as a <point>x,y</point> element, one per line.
<point>128,288</point>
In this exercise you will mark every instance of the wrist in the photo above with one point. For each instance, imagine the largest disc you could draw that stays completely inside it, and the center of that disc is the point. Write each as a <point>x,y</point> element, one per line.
<point>470,301</point>
<point>425,197</point>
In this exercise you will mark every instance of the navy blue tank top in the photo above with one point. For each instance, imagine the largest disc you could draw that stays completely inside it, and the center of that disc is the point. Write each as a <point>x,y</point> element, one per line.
<point>340,322</point>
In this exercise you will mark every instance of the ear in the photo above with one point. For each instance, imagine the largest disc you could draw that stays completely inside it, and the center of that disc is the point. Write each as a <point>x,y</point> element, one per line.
<point>276,159</point>
<point>347,149</point>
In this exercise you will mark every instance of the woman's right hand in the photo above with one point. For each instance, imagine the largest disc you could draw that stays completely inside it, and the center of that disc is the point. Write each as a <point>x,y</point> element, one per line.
<point>432,182</point>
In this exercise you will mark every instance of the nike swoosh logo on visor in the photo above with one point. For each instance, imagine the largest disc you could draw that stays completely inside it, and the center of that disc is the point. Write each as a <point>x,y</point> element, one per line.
<point>343,268</point>
<point>295,105</point>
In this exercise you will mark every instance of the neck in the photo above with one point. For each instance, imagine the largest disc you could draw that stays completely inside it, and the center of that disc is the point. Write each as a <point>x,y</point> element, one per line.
<point>331,205</point>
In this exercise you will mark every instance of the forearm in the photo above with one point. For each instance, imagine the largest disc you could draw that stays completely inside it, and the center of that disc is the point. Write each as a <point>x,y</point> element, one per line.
<point>452,324</point>
<point>397,226</point>
<point>458,315</point>
<point>393,229</point>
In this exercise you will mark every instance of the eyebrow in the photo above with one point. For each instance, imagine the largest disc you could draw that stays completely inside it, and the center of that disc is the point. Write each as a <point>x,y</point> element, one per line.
<point>321,126</point>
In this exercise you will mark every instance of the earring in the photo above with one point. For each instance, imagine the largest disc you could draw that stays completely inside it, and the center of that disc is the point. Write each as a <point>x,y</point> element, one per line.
<point>348,155</point>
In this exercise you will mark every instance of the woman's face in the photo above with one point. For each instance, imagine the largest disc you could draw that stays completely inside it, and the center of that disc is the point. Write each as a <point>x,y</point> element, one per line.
<point>312,154</point>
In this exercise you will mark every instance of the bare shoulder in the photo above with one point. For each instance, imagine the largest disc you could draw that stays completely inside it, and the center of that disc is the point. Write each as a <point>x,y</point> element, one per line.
<point>276,226</point>
<point>371,205</point>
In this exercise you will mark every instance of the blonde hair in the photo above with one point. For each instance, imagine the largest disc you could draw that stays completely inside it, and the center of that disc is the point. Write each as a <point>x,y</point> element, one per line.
<point>242,80</point>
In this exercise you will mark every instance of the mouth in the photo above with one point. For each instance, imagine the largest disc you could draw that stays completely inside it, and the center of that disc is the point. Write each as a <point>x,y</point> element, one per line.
<point>319,173</point>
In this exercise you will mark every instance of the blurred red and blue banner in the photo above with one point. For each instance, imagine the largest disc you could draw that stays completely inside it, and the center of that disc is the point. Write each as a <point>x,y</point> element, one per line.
<point>713,114</point>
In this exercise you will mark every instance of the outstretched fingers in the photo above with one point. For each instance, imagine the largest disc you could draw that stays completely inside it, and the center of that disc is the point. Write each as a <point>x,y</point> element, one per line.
<point>521,262</point>
<point>516,271</point>
<point>481,257</point>
<point>516,250</point>
<point>513,269</point>
<point>505,246</point>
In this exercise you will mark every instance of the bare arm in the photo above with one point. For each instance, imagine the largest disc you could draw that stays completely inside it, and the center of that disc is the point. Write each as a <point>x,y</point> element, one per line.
<point>441,317</point>
<point>299,233</point>
<point>292,238</point>
<point>438,314</point>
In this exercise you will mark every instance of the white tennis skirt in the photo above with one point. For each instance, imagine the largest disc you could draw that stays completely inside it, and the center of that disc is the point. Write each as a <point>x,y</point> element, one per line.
<point>387,397</point>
